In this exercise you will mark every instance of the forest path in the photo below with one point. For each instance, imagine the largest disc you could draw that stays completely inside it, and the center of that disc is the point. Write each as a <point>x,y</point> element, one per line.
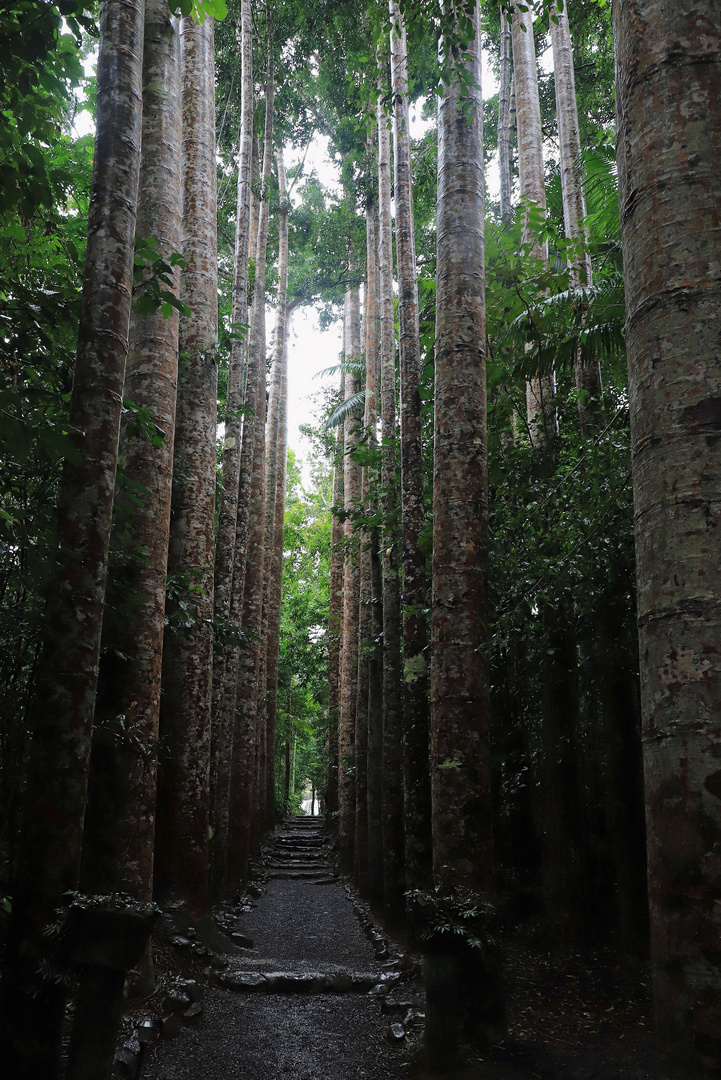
<point>304,1001</point>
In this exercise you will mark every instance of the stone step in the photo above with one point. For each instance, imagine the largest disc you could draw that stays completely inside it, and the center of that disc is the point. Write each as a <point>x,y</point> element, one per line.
<point>299,864</point>
<point>280,874</point>
<point>305,982</point>
<point>298,845</point>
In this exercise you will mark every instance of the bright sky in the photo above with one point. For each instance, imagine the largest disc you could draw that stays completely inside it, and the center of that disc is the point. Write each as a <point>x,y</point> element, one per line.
<point>310,349</point>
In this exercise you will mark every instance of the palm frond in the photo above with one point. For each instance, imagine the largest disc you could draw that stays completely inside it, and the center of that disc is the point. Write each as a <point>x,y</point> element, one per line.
<point>600,188</point>
<point>352,406</point>
<point>344,367</point>
<point>592,316</point>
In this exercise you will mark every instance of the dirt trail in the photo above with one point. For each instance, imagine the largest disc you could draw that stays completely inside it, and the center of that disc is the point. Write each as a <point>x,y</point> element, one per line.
<point>315,996</point>
<point>310,1000</point>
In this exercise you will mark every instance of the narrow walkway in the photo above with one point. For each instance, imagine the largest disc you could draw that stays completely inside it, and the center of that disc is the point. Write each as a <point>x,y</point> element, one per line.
<point>310,998</point>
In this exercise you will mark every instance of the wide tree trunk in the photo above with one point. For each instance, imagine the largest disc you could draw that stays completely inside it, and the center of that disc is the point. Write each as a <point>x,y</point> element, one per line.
<point>462,834</point>
<point>393,840</point>
<point>416,706</point>
<point>183,814</point>
<point>460,751</point>
<point>249,554</point>
<point>67,671</point>
<point>351,583</point>
<point>119,832</point>
<point>222,748</point>
<point>588,372</point>
<point>668,99</point>
<point>540,408</point>
<point>275,456</point>
<point>504,118</point>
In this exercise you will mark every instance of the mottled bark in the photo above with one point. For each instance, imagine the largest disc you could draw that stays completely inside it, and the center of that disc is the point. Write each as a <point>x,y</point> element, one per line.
<point>349,653</point>
<point>368,485</point>
<point>504,118</point>
<point>335,609</point>
<point>416,705</point>
<point>119,832</point>
<point>375,755</point>
<point>255,202</point>
<point>460,749</point>
<point>222,747</point>
<point>587,371</point>
<point>374,626</point>
<point>276,452</point>
<point>462,833</point>
<point>393,841</point>
<point>375,735</point>
<point>183,813</point>
<point>66,675</point>
<point>668,99</point>
<point>540,407</point>
<point>249,555</point>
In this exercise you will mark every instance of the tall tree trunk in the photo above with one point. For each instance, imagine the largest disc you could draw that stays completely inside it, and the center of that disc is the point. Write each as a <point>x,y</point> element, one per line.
<point>371,568</point>
<point>540,408</point>
<point>393,839</point>
<point>460,750</point>
<point>375,735</point>
<point>416,706</point>
<point>67,671</point>
<point>462,833</point>
<point>222,749</point>
<point>276,451</point>
<point>368,484</point>
<point>504,119</point>
<point>668,99</point>
<point>588,372</point>
<point>183,814</point>
<point>119,834</point>
<point>349,653</point>
<point>249,540</point>
<point>335,611</point>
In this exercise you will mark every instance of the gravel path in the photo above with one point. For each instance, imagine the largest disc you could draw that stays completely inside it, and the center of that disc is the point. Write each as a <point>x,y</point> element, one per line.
<point>298,926</point>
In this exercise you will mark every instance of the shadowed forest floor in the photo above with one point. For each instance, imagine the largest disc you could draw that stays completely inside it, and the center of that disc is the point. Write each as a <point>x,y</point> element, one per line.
<point>317,998</point>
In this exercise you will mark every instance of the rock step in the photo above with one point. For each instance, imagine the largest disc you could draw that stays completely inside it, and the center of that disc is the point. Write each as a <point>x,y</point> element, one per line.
<point>313,841</point>
<point>298,864</point>
<point>305,982</point>
<point>279,874</point>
